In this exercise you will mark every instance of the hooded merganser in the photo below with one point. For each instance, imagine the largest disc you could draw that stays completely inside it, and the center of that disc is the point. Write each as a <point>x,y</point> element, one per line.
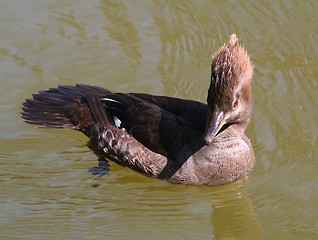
<point>181,141</point>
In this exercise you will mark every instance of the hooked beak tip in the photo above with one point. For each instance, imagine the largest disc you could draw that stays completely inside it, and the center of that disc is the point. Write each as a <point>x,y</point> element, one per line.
<point>208,140</point>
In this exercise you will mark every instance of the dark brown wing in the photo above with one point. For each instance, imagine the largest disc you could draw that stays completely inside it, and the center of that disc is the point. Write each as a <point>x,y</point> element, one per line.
<point>162,124</point>
<point>158,122</point>
<point>193,111</point>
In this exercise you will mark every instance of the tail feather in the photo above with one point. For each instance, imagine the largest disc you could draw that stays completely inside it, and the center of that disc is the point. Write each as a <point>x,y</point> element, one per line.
<point>64,107</point>
<point>45,114</point>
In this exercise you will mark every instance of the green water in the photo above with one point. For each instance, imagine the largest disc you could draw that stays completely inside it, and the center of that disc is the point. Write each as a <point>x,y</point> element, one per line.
<point>158,47</point>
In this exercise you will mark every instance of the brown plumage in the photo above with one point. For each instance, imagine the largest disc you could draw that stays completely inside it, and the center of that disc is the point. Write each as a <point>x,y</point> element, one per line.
<point>231,67</point>
<point>182,141</point>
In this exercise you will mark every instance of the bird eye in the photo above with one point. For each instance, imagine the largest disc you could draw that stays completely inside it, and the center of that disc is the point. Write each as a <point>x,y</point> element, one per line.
<point>235,103</point>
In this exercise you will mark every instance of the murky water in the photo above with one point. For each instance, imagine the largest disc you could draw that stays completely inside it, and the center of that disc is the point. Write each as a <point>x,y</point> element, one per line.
<point>159,47</point>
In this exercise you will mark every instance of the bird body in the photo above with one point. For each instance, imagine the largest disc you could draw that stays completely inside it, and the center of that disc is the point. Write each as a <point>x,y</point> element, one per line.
<point>181,141</point>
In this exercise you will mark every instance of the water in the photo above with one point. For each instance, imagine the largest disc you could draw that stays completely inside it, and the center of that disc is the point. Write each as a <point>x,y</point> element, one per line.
<point>159,47</point>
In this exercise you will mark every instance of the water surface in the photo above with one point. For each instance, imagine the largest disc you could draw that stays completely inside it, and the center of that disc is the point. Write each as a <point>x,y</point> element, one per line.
<point>158,47</point>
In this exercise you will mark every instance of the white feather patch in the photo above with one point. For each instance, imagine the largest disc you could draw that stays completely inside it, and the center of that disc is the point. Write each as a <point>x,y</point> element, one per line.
<point>109,99</point>
<point>117,122</point>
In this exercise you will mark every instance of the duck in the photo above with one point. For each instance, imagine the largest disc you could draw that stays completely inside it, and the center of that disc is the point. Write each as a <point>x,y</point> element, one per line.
<point>177,140</point>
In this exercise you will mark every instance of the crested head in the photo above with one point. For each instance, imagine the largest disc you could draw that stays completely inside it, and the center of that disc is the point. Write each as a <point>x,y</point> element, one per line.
<point>231,70</point>
<point>229,96</point>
